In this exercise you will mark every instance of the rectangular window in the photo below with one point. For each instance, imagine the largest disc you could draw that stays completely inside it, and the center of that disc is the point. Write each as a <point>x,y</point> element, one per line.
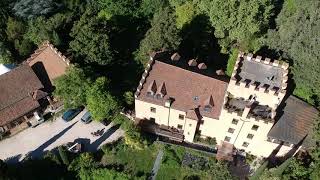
<point>231,130</point>
<point>250,136</point>
<point>179,126</point>
<point>227,138</point>
<point>245,144</point>
<point>190,125</point>
<point>152,119</point>
<point>181,116</point>
<point>235,121</point>
<point>152,109</point>
<point>255,127</point>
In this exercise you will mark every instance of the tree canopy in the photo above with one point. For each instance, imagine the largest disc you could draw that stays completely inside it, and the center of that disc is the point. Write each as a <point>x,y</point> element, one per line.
<point>34,8</point>
<point>71,88</point>
<point>89,42</point>
<point>163,34</point>
<point>297,26</point>
<point>238,22</point>
<point>100,102</point>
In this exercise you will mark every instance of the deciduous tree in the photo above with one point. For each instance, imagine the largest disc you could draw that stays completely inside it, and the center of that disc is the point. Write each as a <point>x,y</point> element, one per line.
<point>41,29</point>
<point>163,34</point>
<point>5,55</point>
<point>90,38</point>
<point>238,22</point>
<point>296,35</point>
<point>100,102</point>
<point>71,88</point>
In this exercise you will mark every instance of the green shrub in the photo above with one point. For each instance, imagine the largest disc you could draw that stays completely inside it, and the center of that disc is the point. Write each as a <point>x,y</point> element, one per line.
<point>231,61</point>
<point>63,155</point>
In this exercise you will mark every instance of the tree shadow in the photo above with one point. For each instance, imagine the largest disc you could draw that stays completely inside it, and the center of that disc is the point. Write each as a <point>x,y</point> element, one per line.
<point>43,76</point>
<point>40,150</point>
<point>94,145</point>
<point>13,159</point>
<point>199,42</point>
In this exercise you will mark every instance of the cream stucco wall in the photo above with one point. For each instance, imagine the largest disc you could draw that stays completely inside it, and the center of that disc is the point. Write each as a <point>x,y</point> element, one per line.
<point>190,129</point>
<point>143,112</point>
<point>213,128</point>
<point>264,98</point>
<point>167,116</point>
<point>216,128</point>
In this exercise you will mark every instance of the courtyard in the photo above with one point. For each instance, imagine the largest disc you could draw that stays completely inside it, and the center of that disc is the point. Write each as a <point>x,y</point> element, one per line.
<point>49,135</point>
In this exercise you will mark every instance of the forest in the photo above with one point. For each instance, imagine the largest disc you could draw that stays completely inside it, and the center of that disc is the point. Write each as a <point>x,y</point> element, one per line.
<point>109,41</point>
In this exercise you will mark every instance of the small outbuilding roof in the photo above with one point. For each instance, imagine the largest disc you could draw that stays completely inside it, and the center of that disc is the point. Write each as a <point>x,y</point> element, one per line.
<point>296,122</point>
<point>16,89</point>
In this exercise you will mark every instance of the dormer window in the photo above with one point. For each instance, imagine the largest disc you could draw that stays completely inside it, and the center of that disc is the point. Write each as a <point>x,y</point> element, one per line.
<point>149,94</point>
<point>158,96</point>
<point>152,89</point>
<point>207,108</point>
<point>208,104</point>
<point>161,92</point>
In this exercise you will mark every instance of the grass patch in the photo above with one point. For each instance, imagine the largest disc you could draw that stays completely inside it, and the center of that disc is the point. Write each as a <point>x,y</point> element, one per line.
<point>231,61</point>
<point>172,165</point>
<point>132,161</point>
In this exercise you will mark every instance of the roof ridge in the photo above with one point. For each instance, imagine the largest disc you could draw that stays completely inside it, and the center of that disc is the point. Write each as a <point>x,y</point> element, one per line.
<point>192,72</point>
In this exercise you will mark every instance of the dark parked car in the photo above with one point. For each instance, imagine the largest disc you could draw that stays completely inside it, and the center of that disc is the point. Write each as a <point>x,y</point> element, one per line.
<point>86,118</point>
<point>70,114</point>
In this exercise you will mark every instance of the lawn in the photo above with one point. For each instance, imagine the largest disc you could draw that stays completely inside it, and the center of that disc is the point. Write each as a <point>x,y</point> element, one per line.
<point>133,161</point>
<point>231,61</point>
<point>199,165</point>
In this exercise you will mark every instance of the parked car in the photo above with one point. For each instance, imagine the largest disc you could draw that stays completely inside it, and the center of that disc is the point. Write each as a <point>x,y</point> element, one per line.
<point>86,118</point>
<point>70,114</point>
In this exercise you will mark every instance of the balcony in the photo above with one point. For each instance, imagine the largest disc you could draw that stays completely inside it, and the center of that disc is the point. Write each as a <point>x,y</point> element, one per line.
<point>161,130</point>
<point>236,105</point>
<point>261,112</point>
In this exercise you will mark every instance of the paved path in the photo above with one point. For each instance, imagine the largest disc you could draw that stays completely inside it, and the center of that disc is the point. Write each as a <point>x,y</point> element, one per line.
<point>156,165</point>
<point>47,136</point>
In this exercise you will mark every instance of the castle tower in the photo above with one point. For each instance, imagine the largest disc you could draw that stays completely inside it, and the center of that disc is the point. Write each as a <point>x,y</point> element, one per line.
<point>256,88</point>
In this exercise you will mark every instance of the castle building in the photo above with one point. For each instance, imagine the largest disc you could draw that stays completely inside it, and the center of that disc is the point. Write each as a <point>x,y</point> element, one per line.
<point>248,112</point>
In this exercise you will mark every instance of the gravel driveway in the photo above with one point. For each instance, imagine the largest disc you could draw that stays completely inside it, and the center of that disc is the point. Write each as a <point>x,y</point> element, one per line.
<point>47,136</point>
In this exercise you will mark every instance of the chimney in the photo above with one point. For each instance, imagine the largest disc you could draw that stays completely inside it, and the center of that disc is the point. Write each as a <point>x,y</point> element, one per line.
<point>192,62</point>
<point>175,57</point>
<point>247,109</point>
<point>220,72</point>
<point>202,66</point>
<point>168,103</point>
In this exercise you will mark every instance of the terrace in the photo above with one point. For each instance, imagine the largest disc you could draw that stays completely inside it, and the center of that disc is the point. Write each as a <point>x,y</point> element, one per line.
<point>259,112</point>
<point>161,130</point>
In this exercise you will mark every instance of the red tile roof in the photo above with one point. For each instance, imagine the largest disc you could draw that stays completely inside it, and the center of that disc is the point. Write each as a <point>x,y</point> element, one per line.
<point>54,62</point>
<point>189,89</point>
<point>16,89</point>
